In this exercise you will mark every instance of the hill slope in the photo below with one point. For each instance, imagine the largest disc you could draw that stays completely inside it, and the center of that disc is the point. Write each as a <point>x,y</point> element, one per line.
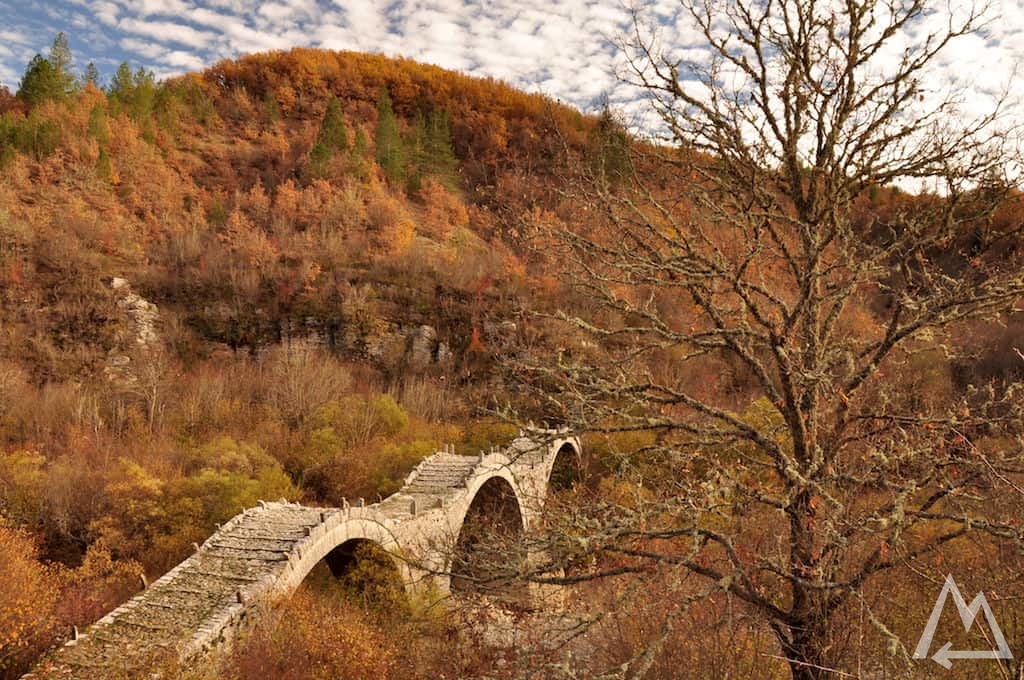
<point>285,276</point>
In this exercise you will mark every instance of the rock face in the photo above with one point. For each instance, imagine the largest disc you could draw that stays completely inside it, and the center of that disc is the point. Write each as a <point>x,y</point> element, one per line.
<point>142,313</point>
<point>422,347</point>
<point>417,347</point>
<point>445,356</point>
<point>143,319</point>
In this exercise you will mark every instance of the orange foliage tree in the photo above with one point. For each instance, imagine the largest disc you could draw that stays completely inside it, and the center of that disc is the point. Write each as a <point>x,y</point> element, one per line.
<point>28,598</point>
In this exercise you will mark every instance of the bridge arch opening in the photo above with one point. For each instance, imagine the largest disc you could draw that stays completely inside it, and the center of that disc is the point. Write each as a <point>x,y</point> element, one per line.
<point>567,469</point>
<point>489,552</point>
<point>365,571</point>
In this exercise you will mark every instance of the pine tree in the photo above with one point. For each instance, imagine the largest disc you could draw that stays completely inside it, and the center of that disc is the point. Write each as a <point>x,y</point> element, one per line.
<point>439,156</point>
<point>390,149</point>
<point>104,168</point>
<point>271,109</point>
<point>98,127</point>
<point>430,150</point>
<point>136,92</point>
<point>608,147</point>
<point>91,75</point>
<point>357,154</point>
<point>121,85</point>
<point>333,137</point>
<point>359,147</point>
<point>49,77</point>
<point>60,53</point>
<point>40,82</point>
<point>416,151</point>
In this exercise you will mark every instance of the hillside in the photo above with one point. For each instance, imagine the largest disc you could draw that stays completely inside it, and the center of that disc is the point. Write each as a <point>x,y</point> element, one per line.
<point>285,276</point>
<point>208,195</point>
<point>295,275</point>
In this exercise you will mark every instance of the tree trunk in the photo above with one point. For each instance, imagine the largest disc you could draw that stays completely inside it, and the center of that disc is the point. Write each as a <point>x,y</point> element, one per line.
<point>807,645</point>
<point>805,656</point>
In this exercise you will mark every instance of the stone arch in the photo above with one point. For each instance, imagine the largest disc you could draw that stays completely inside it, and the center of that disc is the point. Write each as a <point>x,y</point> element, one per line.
<point>362,565</point>
<point>334,545</point>
<point>487,549</point>
<point>566,467</point>
<point>344,557</point>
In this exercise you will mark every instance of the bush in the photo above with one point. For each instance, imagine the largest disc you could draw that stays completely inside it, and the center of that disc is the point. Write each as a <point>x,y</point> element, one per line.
<point>22,480</point>
<point>301,379</point>
<point>356,420</point>
<point>28,596</point>
<point>335,640</point>
<point>155,520</point>
<point>35,135</point>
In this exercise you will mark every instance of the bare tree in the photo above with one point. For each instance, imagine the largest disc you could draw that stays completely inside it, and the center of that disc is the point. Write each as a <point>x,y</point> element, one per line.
<point>766,242</point>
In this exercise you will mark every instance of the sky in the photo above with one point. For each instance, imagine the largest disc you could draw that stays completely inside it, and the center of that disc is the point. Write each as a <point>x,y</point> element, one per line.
<point>563,48</point>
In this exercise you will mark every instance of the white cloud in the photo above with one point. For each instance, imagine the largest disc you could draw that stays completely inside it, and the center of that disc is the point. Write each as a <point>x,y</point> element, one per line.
<point>106,12</point>
<point>209,18</point>
<point>563,49</point>
<point>146,8</point>
<point>185,60</point>
<point>166,31</point>
<point>9,37</point>
<point>276,12</point>
<point>177,59</point>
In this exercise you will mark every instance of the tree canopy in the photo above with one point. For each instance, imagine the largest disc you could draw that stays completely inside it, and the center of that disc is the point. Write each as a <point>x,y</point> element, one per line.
<point>49,77</point>
<point>756,322</point>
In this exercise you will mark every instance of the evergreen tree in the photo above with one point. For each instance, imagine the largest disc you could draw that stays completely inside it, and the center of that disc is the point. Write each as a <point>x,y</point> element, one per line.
<point>8,145</point>
<point>358,154</point>
<point>430,150</point>
<point>104,168</point>
<point>91,75</point>
<point>145,94</point>
<point>121,85</point>
<point>608,147</point>
<point>98,127</point>
<point>332,137</point>
<point>60,54</point>
<point>62,62</point>
<point>416,151</point>
<point>390,149</point>
<point>439,156</point>
<point>50,77</point>
<point>40,82</point>
<point>359,147</point>
<point>271,109</point>
<point>135,92</point>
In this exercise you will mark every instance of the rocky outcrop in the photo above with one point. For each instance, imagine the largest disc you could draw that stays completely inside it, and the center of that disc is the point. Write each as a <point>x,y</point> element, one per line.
<point>142,314</point>
<point>417,347</point>
<point>143,318</point>
<point>422,347</point>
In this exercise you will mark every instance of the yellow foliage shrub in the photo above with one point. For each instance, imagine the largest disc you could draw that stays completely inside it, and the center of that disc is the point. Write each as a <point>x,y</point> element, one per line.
<point>443,212</point>
<point>22,481</point>
<point>28,595</point>
<point>155,519</point>
<point>393,230</point>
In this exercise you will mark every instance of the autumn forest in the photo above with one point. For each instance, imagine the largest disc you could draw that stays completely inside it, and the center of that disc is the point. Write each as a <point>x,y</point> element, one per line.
<point>296,274</point>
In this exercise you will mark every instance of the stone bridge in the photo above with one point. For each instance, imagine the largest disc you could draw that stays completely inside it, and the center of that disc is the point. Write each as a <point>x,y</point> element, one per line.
<point>264,553</point>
